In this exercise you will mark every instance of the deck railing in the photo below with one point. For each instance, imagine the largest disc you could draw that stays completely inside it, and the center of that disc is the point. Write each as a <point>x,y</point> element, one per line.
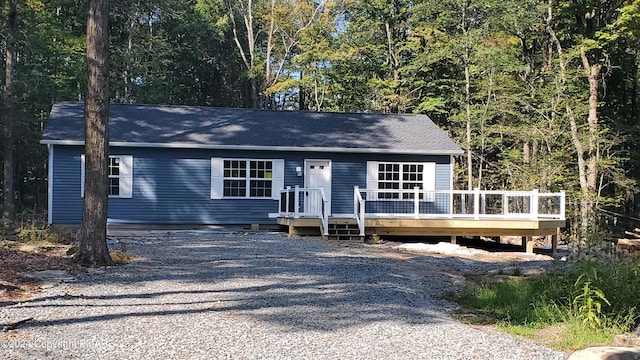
<point>473,204</point>
<point>359,209</point>
<point>300,202</point>
<point>416,203</point>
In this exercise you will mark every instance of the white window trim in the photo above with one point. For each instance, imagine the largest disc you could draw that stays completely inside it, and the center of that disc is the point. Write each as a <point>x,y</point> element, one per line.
<point>126,176</point>
<point>217,178</point>
<point>428,178</point>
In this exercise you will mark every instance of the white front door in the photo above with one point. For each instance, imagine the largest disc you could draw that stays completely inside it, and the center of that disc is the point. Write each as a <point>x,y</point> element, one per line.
<point>317,175</point>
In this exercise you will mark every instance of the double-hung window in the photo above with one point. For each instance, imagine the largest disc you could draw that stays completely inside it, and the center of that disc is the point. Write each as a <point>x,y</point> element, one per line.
<point>246,178</point>
<point>114,176</point>
<point>395,180</point>
<point>120,172</point>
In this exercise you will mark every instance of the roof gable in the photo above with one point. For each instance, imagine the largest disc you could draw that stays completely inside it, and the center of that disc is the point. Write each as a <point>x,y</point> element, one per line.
<point>200,127</point>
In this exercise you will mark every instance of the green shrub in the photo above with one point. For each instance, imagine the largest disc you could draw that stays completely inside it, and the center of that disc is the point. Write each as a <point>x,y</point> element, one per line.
<point>593,300</point>
<point>518,301</point>
<point>32,233</point>
<point>587,300</point>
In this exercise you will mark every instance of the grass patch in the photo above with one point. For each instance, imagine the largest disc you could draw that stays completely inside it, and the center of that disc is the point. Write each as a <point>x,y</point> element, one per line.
<point>34,233</point>
<point>566,335</point>
<point>121,257</point>
<point>589,304</point>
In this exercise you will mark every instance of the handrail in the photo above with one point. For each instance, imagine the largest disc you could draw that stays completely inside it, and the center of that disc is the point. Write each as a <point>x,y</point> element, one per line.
<point>359,209</point>
<point>418,203</point>
<point>325,213</point>
<point>290,204</point>
<point>474,204</point>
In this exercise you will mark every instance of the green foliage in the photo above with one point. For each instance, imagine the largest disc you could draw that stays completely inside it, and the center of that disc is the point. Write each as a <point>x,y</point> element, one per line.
<point>569,335</point>
<point>588,300</point>
<point>573,301</point>
<point>33,233</point>
<point>365,56</point>
<point>519,301</point>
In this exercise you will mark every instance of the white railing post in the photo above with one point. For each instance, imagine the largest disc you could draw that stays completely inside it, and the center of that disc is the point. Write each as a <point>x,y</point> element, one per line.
<point>416,202</point>
<point>534,203</point>
<point>362,212</point>
<point>296,204</point>
<point>505,204</point>
<point>325,212</point>
<point>286,199</point>
<point>358,209</point>
<point>562,204</point>
<point>452,210</point>
<point>476,203</point>
<point>356,190</point>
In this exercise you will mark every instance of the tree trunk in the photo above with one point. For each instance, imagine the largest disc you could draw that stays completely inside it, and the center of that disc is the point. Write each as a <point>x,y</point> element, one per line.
<point>270,45</point>
<point>302,94</point>
<point>93,236</point>
<point>8,209</point>
<point>467,95</point>
<point>248,60</point>
<point>590,155</point>
<point>467,87</point>
<point>587,152</point>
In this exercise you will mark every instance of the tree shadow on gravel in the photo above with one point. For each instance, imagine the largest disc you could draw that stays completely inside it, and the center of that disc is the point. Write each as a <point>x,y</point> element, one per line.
<point>298,284</point>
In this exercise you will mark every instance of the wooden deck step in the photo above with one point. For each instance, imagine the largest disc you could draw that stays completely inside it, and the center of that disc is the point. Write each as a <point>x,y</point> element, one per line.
<point>344,230</point>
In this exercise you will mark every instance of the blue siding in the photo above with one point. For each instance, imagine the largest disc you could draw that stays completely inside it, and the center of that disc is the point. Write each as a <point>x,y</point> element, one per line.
<point>172,186</point>
<point>67,200</point>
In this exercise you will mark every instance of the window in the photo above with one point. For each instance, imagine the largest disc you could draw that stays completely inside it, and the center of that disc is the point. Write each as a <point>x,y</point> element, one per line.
<point>400,176</point>
<point>261,173</point>
<point>235,178</point>
<point>114,176</point>
<point>120,176</point>
<point>246,178</point>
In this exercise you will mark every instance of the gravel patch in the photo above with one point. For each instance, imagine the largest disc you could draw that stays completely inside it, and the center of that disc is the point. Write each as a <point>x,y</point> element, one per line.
<point>255,295</point>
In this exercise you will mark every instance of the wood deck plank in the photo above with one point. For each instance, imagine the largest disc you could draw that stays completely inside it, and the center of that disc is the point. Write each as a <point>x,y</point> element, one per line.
<point>446,227</point>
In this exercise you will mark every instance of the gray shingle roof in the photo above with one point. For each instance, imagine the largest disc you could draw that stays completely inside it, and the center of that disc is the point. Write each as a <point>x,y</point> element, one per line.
<point>200,127</point>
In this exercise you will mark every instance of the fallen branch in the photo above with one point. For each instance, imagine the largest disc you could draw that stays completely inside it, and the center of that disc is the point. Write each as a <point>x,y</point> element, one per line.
<point>15,325</point>
<point>635,235</point>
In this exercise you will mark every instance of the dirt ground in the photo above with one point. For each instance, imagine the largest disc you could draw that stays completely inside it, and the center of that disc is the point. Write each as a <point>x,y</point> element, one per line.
<point>18,260</point>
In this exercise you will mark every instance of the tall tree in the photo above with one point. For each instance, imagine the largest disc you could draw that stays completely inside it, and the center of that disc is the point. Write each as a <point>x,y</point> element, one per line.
<point>367,73</point>
<point>456,31</point>
<point>93,236</point>
<point>583,54</point>
<point>245,36</point>
<point>288,22</point>
<point>9,115</point>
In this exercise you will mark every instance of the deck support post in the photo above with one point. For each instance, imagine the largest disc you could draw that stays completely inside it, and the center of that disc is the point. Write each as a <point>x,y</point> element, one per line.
<point>454,239</point>
<point>292,231</point>
<point>554,241</point>
<point>527,243</point>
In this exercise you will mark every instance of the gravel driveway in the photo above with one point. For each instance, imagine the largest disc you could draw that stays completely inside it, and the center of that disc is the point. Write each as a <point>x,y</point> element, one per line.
<point>214,295</point>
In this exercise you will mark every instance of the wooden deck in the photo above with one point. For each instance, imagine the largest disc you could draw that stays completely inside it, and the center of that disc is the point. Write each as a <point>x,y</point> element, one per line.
<point>452,228</point>
<point>462,227</point>
<point>470,214</point>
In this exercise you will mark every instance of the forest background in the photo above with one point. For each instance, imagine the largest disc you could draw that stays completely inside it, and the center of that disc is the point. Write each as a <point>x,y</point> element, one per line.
<point>540,94</point>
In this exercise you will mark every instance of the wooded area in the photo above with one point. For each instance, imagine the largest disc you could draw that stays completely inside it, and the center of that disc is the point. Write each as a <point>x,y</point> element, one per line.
<point>540,93</point>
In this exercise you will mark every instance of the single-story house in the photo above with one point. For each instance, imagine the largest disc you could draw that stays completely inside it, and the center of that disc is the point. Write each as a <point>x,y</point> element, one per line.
<point>198,165</point>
